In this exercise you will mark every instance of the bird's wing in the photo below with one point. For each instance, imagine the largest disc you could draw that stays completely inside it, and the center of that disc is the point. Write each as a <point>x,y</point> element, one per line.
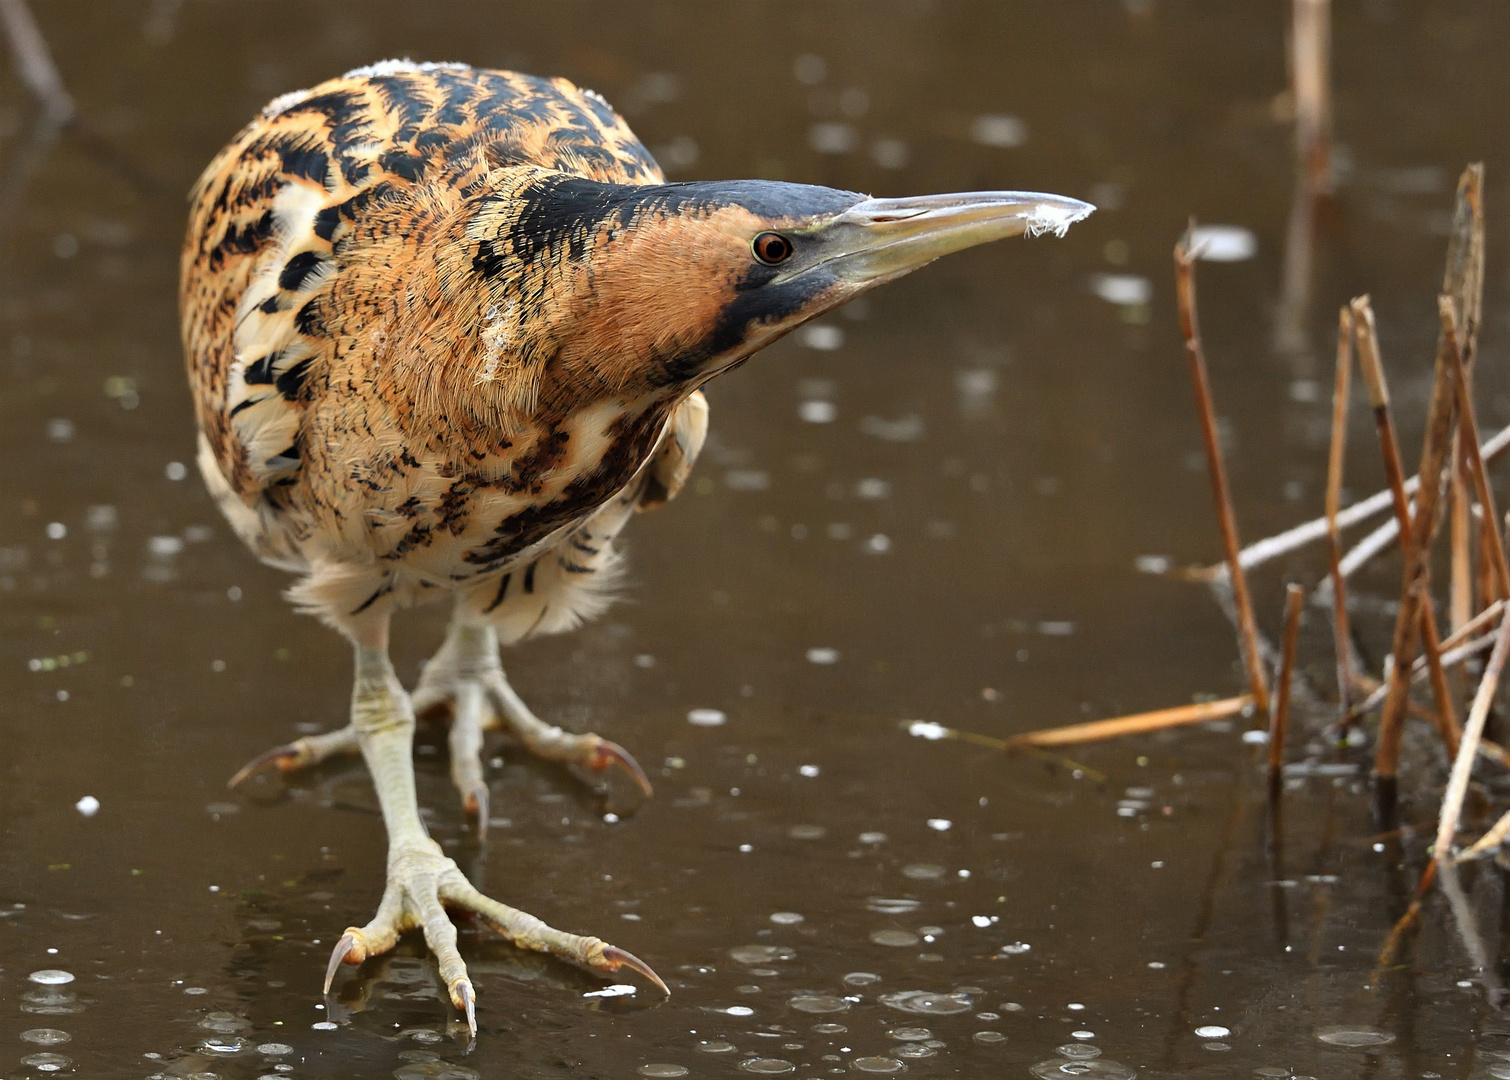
<point>271,218</point>
<point>672,464</point>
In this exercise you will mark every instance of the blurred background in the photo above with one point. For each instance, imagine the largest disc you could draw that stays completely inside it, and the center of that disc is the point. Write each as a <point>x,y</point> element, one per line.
<point>951,502</point>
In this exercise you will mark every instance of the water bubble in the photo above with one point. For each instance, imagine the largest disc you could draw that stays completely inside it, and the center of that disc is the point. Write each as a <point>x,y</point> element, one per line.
<point>915,1050</point>
<point>761,954</point>
<point>877,1065</point>
<point>830,1029</point>
<point>1354,1038</point>
<point>923,871</point>
<point>659,1070</point>
<point>861,978</point>
<point>911,1034</point>
<point>767,1066</point>
<point>274,1049</point>
<point>894,938</point>
<point>47,1062</point>
<point>434,1070</point>
<point>224,1046</point>
<point>225,1023</point>
<point>819,336</point>
<point>887,906</point>
<point>1078,1051</point>
<point>988,1038</point>
<point>1017,948</point>
<point>1213,1031</point>
<point>1499,1072</point>
<point>817,412</point>
<point>1275,1071</point>
<point>324,1025</point>
<point>706,717</point>
<point>716,1046</point>
<point>807,832</point>
<point>1055,1068</point>
<point>926,1003</point>
<point>740,1010</point>
<point>823,655</point>
<point>45,1036</point>
<point>51,977</point>
<point>818,1003</point>
<point>809,771</point>
<point>1003,132</point>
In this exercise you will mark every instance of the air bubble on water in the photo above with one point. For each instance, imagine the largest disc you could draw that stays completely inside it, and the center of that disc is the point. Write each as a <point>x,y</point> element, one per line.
<point>1216,1046</point>
<point>1075,1006</point>
<point>663,1070</point>
<point>433,1069</point>
<point>47,1062</point>
<point>939,824</point>
<point>807,832</point>
<point>767,1066</point>
<point>808,771</point>
<point>716,1046</point>
<point>911,1034</point>
<point>224,1046</point>
<point>1055,1068</point>
<point>175,470</point>
<point>822,655</point>
<point>88,806</point>
<point>226,1023</point>
<point>861,978</point>
<point>1082,1034</point>
<point>761,954</point>
<point>615,990</point>
<point>877,1065</point>
<point>830,1029</point>
<point>1212,1031</point>
<point>818,1003</point>
<point>324,1025</point>
<point>274,1049</point>
<point>1010,1006</point>
<point>1271,1071</point>
<point>915,1050</point>
<point>817,412</point>
<point>51,977</point>
<point>989,1038</point>
<point>1078,1051</point>
<point>1354,1038</point>
<point>888,906</point>
<point>895,938</point>
<point>195,991</point>
<point>923,871</point>
<point>706,718</point>
<point>1016,948</point>
<point>45,1036</point>
<point>740,1010</point>
<point>1500,1072</point>
<point>927,729</point>
<point>787,918</point>
<point>927,1003</point>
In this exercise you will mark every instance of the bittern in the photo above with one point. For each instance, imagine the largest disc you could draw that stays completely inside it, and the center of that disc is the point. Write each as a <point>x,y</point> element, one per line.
<point>446,330</point>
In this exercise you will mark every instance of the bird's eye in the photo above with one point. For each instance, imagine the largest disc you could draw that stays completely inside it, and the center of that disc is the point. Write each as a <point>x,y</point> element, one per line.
<point>772,248</point>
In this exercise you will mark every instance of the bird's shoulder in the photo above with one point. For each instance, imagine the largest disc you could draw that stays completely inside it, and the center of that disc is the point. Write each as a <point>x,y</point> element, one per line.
<point>285,208</point>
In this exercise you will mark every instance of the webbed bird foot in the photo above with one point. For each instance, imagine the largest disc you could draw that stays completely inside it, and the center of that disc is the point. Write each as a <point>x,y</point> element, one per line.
<point>422,884</point>
<point>467,676</point>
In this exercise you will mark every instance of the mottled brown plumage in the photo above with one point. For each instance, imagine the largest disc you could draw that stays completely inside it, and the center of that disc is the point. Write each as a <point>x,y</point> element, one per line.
<point>445,330</point>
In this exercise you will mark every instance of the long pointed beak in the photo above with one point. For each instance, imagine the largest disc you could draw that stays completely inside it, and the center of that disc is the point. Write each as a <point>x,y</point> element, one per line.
<point>878,240</point>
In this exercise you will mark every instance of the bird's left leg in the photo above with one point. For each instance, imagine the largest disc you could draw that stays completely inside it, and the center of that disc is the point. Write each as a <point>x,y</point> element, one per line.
<point>422,881</point>
<point>466,673</point>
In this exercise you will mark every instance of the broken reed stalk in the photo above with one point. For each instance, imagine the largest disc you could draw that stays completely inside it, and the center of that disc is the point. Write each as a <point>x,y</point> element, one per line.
<point>1184,272</point>
<point>1134,724</point>
<point>1341,631</point>
<point>1279,718</point>
<point>34,61</point>
<point>1488,842</point>
<point>1415,627</point>
<point>1473,731</point>
<point>1310,62</point>
<point>1468,428</point>
<point>1417,533</point>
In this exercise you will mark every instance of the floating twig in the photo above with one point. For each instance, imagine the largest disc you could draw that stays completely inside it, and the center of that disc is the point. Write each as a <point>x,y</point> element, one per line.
<point>1473,731</point>
<point>1341,632</point>
<point>1280,715</point>
<point>1184,265</point>
<point>1135,724</point>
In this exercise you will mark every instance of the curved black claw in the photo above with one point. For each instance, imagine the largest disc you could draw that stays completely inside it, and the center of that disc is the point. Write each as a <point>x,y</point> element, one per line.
<point>477,803</point>
<point>615,958</point>
<point>288,752</point>
<point>611,753</point>
<point>343,947</point>
<point>465,1000</point>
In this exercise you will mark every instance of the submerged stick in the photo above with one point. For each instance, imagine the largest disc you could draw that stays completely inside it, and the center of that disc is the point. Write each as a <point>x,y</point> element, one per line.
<point>1280,716</point>
<point>1473,731</point>
<point>1134,724</point>
<point>1342,636</point>
<point>1184,268</point>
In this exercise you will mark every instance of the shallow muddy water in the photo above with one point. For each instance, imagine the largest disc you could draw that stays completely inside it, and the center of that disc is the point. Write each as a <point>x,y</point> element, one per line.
<point>932,506</point>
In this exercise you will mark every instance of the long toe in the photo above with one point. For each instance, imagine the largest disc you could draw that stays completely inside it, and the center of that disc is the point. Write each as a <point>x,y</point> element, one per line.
<point>472,716</point>
<point>301,753</point>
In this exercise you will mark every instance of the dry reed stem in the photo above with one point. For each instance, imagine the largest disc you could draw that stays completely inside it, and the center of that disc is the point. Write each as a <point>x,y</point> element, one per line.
<point>1279,717</point>
<point>34,61</point>
<point>1310,64</point>
<point>1488,842</point>
<point>1473,731</point>
<point>1469,429</point>
<point>1341,631</point>
<point>1406,921</point>
<point>1134,724</point>
<point>1471,627</point>
<point>1184,264</point>
<point>1418,529</point>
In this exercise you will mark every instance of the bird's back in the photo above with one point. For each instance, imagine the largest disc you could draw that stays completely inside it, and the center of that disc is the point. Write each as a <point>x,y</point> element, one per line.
<point>278,217</point>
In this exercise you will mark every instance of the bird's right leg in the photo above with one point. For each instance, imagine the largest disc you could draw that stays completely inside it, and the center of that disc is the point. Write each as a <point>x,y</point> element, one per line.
<point>422,882</point>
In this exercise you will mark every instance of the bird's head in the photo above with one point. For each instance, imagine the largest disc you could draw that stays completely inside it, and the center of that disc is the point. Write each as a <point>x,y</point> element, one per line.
<point>624,286</point>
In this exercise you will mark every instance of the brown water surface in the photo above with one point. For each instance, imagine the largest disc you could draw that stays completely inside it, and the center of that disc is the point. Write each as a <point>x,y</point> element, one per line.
<point>957,540</point>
